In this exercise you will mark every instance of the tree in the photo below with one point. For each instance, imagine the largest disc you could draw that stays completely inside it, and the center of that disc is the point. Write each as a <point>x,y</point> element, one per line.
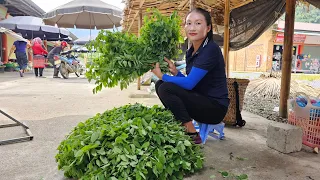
<point>308,14</point>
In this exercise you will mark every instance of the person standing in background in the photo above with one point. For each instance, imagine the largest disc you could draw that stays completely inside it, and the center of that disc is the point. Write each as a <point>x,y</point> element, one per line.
<point>38,56</point>
<point>56,51</point>
<point>19,48</point>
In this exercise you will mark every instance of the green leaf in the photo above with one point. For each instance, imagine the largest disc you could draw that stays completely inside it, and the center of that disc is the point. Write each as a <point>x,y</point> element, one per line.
<point>117,150</point>
<point>199,163</point>
<point>157,139</point>
<point>142,175</point>
<point>138,176</point>
<point>242,177</point>
<point>94,136</point>
<point>159,166</point>
<point>187,143</point>
<point>145,145</point>
<point>79,153</point>
<point>134,163</point>
<point>241,158</point>
<point>149,164</point>
<point>155,171</point>
<point>98,162</point>
<point>161,156</point>
<point>125,63</point>
<point>224,174</point>
<point>94,152</point>
<point>101,152</point>
<point>123,158</point>
<point>186,165</point>
<point>104,160</point>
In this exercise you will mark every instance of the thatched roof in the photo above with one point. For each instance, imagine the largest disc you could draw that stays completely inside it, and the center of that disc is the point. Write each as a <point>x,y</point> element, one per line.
<point>216,7</point>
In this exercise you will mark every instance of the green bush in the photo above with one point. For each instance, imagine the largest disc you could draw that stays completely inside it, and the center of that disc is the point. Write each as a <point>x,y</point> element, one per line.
<point>129,142</point>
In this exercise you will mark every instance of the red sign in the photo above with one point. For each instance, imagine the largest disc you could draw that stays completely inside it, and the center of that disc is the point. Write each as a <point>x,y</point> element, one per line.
<point>297,39</point>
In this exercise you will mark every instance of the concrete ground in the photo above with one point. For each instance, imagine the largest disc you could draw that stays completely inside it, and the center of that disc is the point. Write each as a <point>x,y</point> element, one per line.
<point>52,107</point>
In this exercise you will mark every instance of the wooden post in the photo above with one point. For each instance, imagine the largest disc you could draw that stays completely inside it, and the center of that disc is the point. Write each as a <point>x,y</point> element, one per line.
<point>287,57</point>
<point>5,49</point>
<point>139,27</point>
<point>226,35</point>
<point>45,44</point>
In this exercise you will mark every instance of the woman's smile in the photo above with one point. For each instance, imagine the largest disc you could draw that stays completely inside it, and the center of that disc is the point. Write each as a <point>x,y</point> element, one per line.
<point>193,34</point>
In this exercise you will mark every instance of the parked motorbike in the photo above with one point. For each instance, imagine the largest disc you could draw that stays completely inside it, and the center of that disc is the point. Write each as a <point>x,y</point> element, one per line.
<point>68,63</point>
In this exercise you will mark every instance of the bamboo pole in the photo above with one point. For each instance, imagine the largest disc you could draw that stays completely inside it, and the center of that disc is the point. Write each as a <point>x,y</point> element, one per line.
<point>226,35</point>
<point>287,57</point>
<point>192,4</point>
<point>139,27</point>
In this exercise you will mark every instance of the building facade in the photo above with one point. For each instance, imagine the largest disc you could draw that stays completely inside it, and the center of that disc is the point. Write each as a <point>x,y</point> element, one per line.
<point>265,54</point>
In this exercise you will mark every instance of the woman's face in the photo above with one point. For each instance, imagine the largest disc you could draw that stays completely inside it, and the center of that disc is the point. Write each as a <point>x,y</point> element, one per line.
<point>196,27</point>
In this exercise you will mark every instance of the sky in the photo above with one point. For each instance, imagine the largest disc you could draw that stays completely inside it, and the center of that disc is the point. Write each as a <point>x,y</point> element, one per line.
<point>80,33</point>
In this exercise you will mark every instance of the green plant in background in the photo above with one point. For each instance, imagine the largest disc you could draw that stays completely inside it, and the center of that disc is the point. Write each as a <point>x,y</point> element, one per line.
<point>124,57</point>
<point>10,64</point>
<point>129,142</point>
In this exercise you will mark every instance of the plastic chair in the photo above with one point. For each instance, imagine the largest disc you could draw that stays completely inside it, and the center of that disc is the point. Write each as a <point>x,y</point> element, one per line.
<point>208,129</point>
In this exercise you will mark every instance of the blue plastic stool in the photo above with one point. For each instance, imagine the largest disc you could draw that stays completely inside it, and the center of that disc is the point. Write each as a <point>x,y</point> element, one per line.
<point>208,129</point>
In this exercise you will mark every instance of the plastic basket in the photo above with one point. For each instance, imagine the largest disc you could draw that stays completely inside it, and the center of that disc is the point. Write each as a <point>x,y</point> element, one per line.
<point>230,117</point>
<point>308,118</point>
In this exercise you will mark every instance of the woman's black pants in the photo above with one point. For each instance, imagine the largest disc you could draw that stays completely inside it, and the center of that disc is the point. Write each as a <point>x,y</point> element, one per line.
<point>40,70</point>
<point>187,105</point>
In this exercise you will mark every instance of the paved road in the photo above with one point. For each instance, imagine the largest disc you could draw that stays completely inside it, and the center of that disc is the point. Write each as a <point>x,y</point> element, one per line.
<point>52,107</point>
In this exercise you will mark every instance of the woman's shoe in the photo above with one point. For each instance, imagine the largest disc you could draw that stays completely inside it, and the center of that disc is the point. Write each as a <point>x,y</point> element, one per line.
<point>21,74</point>
<point>195,137</point>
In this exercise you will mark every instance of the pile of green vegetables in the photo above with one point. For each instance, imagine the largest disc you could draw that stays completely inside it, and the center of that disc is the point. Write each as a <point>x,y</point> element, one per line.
<point>129,142</point>
<point>124,57</point>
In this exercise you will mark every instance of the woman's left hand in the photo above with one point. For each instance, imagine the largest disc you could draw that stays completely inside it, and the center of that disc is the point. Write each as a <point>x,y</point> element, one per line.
<point>157,71</point>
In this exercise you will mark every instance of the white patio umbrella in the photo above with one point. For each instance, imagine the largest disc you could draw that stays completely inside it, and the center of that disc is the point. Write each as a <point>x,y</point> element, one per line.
<point>85,14</point>
<point>84,40</point>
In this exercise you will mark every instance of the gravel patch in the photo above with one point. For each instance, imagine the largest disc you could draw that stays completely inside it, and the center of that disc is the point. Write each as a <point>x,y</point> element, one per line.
<point>263,107</point>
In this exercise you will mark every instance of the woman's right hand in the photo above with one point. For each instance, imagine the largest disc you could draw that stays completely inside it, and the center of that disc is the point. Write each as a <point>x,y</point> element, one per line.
<point>171,66</point>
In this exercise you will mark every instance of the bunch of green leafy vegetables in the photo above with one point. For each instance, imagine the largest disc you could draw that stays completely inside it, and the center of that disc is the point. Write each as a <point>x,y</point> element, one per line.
<point>124,57</point>
<point>118,62</point>
<point>161,36</point>
<point>129,142</point>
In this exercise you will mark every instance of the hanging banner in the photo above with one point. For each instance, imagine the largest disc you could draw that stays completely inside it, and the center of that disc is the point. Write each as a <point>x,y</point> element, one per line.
<point>297,39</point>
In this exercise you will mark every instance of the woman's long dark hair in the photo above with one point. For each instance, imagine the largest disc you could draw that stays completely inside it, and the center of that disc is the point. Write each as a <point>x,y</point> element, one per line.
<point>207,16</point>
